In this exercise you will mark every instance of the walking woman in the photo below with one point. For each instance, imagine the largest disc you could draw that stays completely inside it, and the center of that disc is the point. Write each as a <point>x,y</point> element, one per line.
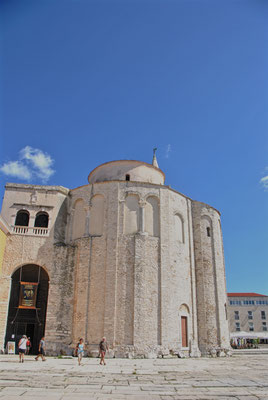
<point>80,350</point>
<point>103,347</point>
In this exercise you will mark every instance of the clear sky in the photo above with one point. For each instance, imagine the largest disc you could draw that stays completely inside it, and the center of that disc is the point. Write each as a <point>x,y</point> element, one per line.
<point>84,82</point>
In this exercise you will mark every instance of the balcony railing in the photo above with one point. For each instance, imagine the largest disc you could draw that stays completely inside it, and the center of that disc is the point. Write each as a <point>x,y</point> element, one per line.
<point>29,231</point>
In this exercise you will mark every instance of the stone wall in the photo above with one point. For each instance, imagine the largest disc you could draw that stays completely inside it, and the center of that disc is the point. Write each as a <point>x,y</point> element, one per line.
<point>127,260</point>
<point>210,280</point>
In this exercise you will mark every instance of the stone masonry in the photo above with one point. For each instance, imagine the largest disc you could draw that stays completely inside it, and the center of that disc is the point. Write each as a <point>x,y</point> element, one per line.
<point>127,258</point>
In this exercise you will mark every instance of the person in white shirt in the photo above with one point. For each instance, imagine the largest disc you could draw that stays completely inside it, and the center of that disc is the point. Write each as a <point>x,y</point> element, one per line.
<point>22,347</point>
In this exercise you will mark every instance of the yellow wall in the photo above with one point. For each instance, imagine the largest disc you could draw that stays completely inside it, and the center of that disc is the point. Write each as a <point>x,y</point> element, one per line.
<point>2,248</point>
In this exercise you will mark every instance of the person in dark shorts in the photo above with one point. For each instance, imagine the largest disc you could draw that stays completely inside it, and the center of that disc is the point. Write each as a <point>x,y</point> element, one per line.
<point>41,350</point>
<point>103,347</point>
<point>22,347</point>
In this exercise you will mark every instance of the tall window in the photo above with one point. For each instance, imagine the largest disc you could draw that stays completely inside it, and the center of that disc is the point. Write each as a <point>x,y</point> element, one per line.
<point>250,316</point>
<point>41,220</point>
<point>152,216</point>
<point>79,219</point>
<point>264,326</point>
<point>22,218</point>
<point>263,315</point>
<point>97,215</point>
<point>251,326</point>
<point>237,326</point>
<point>179,228</point>
<point>132,212</point>
<point>236,314</point>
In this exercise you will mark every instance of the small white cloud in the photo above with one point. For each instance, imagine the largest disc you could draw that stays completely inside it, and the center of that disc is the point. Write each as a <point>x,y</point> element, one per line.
<point>264,182</point>
<point>16,169</point>
<point>41,162</point>
<point>168,151</point>
<point>33,162</point>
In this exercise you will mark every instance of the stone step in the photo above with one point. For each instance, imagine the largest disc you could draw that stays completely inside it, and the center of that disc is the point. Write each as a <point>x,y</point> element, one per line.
<point>239,352</point>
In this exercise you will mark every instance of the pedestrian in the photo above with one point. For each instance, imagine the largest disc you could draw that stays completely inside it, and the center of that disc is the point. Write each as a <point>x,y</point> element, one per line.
<point>28,345</point>
<point>103,347</point>
<point>80,350</point>
<point>22,347</point>
<point>41,350</point>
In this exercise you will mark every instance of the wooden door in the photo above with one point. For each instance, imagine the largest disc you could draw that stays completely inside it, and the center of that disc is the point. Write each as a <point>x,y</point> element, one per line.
<point>184,333</point>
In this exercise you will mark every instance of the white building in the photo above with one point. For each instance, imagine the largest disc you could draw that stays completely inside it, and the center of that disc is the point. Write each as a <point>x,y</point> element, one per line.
<point>248,315</point>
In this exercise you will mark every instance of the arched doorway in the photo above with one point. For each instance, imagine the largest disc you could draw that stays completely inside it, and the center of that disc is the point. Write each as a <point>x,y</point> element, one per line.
<point>28,305</point>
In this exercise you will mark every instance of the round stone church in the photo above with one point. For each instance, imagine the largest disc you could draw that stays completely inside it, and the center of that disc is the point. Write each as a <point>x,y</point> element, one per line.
<point>124,257</point>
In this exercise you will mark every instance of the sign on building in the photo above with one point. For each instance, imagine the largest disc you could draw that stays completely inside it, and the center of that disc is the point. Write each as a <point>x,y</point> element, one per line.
<point>28,293</point>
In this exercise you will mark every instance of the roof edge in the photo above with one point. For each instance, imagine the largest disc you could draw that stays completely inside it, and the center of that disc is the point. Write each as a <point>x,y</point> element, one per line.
<point>26,186</point>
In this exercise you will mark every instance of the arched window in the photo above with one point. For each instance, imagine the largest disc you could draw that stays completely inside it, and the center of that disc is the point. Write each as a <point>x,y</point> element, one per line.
<point>206,226</point>
<point>22,218</point>
<point>96,220</point>
<point>41,220</point>
<point>179,229</point>
<point>152,216</point>
<point>132,211</point>
<point>79,222</point>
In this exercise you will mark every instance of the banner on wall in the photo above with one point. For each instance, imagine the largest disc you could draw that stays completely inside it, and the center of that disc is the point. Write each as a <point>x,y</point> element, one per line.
<point>28,293</point>
<point>11,347</point>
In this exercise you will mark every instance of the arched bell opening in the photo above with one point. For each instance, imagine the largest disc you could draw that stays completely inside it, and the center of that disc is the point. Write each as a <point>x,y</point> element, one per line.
<point>41,220</point>
<point>27,305</point>
<point>22,218</point>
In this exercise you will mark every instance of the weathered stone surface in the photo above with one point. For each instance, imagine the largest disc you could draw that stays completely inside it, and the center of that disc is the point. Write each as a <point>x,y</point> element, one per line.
<point>202,378</point>
<point>134,261</point>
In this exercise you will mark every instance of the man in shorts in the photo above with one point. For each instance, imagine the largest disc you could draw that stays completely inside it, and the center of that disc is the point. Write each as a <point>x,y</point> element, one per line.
<point>22,347</point>
<point>41,350</point>
<point>103,347</point>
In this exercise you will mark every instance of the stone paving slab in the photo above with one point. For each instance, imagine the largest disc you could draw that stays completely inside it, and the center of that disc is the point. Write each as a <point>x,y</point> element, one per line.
<point>234,378</point>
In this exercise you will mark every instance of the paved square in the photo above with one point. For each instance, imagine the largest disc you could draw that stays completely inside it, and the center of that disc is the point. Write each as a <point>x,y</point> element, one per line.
<point>242,377</point>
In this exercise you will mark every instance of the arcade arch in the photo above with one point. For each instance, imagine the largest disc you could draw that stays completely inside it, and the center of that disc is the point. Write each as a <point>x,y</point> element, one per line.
<point>27,305</point>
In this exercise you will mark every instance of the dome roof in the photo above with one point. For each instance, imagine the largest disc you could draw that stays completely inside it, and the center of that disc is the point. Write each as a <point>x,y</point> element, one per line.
<point>127,170</point>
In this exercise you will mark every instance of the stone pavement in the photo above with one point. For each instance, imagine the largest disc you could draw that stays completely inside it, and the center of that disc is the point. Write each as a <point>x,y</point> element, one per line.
<point>238,377</point>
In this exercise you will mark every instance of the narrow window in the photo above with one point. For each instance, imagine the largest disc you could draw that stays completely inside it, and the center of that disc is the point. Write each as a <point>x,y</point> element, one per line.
<point>251,326</point>
<point>127,177</point>
<point>263,315</point>
<point>250,316</point>
<point>264,326</point>
<point>208,231</point>
<point>237,326</point>
<point>236,314</point>
<point>179,228</point>
<point>22,218</point>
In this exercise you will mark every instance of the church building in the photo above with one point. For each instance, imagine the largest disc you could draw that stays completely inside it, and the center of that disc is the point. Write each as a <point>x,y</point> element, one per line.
<point>124,257</point>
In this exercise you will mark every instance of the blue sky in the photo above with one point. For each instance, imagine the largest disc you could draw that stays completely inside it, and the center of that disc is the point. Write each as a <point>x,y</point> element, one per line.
<point>84,82</point>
